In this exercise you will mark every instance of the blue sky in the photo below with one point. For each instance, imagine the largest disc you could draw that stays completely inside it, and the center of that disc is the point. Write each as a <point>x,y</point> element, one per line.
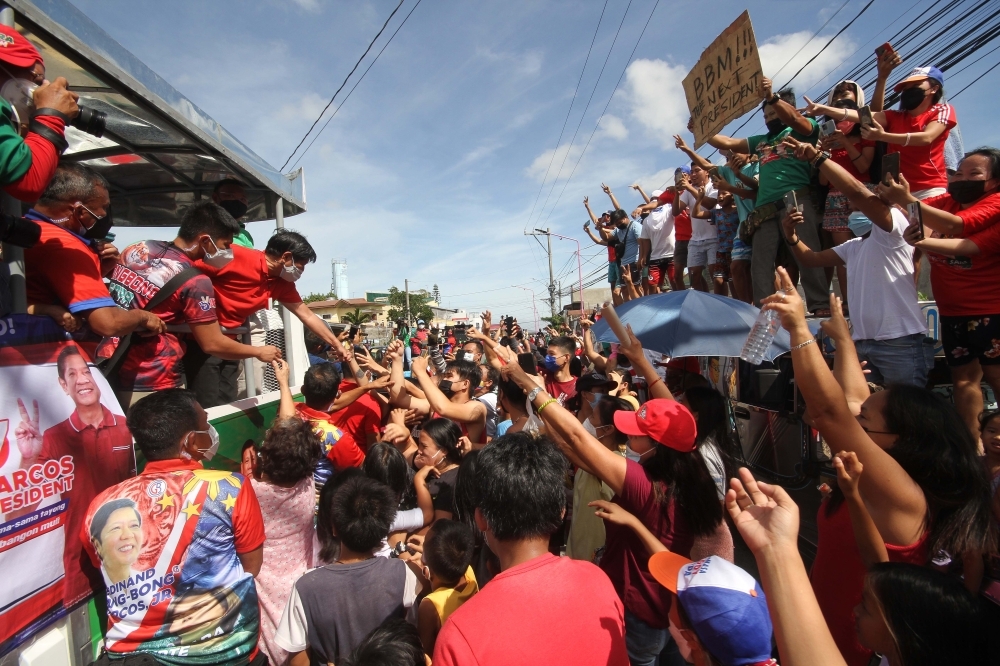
<point>431,169</point>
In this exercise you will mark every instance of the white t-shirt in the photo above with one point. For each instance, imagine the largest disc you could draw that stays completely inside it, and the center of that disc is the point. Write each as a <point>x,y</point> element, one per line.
<point>883,295</point>
<point>489,400</point>
<point>701,230</point>
<point>709,451</point>
<point>658,229</point>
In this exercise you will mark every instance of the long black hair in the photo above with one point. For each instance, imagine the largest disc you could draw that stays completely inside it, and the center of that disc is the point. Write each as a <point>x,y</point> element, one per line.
<point>386,464</point>
<point>466,491</point>
<point>936,449</point>
<point>932,618</point>
<point>445,434</point>
<point>713,423</point>
<point>683,478</point>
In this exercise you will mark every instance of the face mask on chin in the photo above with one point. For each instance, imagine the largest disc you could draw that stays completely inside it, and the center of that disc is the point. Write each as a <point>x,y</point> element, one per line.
<point>967,191</point>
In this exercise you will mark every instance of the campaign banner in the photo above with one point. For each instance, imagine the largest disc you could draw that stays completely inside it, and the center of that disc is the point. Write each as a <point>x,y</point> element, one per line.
<point>63,440</point>
<point>724,84</point>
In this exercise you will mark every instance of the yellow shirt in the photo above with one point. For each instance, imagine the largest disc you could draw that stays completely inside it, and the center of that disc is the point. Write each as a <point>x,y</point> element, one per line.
<point>586,532</point>
<point>446,600</point>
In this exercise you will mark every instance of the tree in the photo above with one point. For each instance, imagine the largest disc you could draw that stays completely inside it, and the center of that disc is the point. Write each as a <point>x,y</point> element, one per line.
<point>357,318</point>
<point>557,321</point>
<point>312,298</point>
<point>418,305</point>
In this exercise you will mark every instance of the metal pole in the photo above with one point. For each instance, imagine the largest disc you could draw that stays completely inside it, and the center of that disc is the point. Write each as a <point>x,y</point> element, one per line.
<point>406,283</point>
<point>552,281</point>
<point>579,270</point>
<point>13,255</point>
<point>279,213</point>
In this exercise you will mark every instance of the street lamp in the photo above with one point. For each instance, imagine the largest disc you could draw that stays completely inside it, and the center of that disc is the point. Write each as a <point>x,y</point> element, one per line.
<point>579,262</point>
<point>535,309</point>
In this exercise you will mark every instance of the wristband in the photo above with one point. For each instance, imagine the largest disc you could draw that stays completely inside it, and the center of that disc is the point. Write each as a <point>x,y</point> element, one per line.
<point>658,380</point>
<point>773,99</point>
<point>546,404</point>
<point>803,344</point>
<point>907,142</point>
<point>534,393</point>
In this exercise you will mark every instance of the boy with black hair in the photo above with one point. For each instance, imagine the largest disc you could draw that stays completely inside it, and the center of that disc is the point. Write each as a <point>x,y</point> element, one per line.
<point>487,394</point>
<point>154,363</point>
<point>333,608</point>
<point>447,555</point>
<point>559,379</point>
<point>541,609</point>
<point>450,398</point>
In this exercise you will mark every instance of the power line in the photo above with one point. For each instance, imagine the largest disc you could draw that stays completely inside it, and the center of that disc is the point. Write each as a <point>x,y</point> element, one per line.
<point>810,39</point>
<point>975,80</point>
<point>362,78</point>
<point>315,122</point>
<point>568,112</point>
<point>584,114</point>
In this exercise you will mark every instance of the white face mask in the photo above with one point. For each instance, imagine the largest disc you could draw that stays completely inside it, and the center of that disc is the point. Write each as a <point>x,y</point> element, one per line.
<point>634,456</point>
<point>290,273</point>
<point>589,427</point>
<point>469,356</point>
<point>210,452</point>
<point>219,258</point>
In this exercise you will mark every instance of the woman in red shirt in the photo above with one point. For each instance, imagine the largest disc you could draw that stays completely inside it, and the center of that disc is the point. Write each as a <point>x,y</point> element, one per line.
<point>923,484</point>
<point>854,154</point>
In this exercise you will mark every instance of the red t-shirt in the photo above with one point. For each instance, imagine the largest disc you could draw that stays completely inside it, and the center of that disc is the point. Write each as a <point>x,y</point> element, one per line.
<point>62,269</point>
<point>838,576</point>
<point>922,166</point>
<point>102,457</point>
<point>549,610</point>
<point>157,362</point>
<point>341,449</point>
<point>967,286</point>
<point>625,559</point>
<point>361,418</point>
<point>842,159</point>
<point>682,226</point>
<point>243,286</point>
<point>561,391</point>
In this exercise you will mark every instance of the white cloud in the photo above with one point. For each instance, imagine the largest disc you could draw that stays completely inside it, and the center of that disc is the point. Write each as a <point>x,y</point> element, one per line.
<point>525,64</point>
<point>654,91</point>
<point>308,5</point>
<point>612,127</point>
<point>563,153</point>
<point>781,58</point>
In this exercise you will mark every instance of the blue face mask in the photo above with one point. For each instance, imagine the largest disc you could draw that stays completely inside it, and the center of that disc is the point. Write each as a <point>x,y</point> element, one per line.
<point>859,223</point>
<point>551,363</point>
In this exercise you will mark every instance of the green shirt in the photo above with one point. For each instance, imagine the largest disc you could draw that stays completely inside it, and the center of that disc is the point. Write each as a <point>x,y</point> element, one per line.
<point>780,172</point>
<point>15,156</point>
<point>243,238</point>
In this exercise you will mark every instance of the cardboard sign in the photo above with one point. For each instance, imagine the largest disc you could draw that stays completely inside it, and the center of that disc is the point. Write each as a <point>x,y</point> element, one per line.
<point>724,84</point>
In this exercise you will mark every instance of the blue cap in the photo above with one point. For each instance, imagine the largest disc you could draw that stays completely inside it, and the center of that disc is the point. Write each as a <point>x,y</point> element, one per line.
<point>725,606</point>
<point>684,169</point>
<point>922,74</point>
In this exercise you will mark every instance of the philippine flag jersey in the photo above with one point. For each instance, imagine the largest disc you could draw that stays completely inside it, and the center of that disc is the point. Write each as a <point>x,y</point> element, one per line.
<point>167,542</point>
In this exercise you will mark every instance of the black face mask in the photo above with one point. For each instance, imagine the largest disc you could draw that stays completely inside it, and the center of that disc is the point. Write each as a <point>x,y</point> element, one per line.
<point>235,208</point>
<point>911,98</point>
<point>776,125</point>
<point>445,386</point>
<point>101,228</point>
<point>966,191</point>
<point>846,103</point>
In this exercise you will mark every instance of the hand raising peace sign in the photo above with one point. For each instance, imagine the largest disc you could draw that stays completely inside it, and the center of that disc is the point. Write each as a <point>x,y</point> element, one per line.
<point>27,433</point>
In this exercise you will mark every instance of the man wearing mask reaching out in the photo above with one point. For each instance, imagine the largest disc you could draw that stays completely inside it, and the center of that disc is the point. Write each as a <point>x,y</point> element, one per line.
<point>450,398</point>
<point>231,195</point>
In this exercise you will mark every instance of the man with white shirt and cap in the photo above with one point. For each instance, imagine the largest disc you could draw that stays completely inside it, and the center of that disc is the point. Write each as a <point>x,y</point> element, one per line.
<point>656,241</point>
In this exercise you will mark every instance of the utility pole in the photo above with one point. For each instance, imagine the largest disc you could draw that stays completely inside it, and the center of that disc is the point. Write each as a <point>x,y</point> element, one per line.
<point>407,285</point>
<point>552,279</point>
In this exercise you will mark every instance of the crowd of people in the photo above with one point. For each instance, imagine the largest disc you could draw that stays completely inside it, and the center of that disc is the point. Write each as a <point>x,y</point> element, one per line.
<point>541,499</point>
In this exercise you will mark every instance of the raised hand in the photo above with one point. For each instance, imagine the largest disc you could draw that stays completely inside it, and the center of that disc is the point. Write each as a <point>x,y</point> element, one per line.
<point>802,151</point>
<point>586,202</point>
<point>395,433</point>
<point>873,132</point>
<point>268,353</point>
<point>786,302</point>
<point>765,515</point>
<point>765,88</point>
<point>893,191</point>
<point>631,346</point>
<point>889,61</point>
<point>607,190</point>
<point>680,143</point>
<point>282,371</point>
<point>418,366</point>
<point>27,433</point>
<point>813,108</point>
<point>385,381</point>
<point>849,470</point>
<point>464,445</point>
<point>56,95</point>
<point>836,326</point>
<point>613,513</point>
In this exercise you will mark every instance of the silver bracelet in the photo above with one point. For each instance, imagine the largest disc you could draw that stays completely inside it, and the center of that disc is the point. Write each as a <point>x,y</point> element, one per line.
<point>534,393</point>
<point>803,344</point>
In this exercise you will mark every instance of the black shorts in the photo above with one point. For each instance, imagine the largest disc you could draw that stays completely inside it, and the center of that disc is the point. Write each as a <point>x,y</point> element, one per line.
<point>681,253</point>
<point>634,272</point>
<point>967,339</point>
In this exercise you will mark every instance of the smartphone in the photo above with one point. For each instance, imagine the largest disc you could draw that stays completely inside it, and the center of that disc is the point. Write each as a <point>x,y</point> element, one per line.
<point>527,363</point>
<point>792,202</point>
<point>890,165</point>
<point>879,50</point>
<point>827,128</point>
<point>914,212</point>
<point>865,113</point>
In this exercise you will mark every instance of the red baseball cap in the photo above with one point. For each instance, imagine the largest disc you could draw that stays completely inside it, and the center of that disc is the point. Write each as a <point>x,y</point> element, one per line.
<point>16,50</point>
<point>666,422</point>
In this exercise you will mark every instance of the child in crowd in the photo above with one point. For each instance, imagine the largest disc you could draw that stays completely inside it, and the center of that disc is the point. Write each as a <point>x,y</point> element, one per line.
<point>394,643</point>
<point>368,590</point>
<point>385,464</point>
<point>447,554</point>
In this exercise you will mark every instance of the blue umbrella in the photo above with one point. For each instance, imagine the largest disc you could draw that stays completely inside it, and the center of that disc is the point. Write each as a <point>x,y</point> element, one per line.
<point>690,323</point>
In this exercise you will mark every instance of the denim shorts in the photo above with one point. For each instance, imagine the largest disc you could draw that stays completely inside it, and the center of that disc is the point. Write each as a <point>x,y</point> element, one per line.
<point>614,274</point>
<point>702,253</point>
<point>904,360</point>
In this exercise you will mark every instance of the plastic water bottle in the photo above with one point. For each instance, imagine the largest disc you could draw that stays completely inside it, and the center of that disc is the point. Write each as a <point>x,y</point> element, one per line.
<point>761,336</point>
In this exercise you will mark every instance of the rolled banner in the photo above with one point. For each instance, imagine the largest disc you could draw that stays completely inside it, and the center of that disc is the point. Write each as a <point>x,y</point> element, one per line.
<point>614,322</point>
